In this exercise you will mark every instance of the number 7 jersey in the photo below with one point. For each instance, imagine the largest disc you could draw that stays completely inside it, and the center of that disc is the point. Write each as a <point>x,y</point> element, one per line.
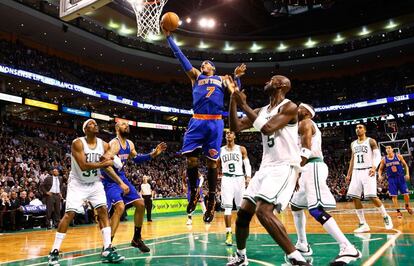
<point>362,154</point>
<point>282,147</point>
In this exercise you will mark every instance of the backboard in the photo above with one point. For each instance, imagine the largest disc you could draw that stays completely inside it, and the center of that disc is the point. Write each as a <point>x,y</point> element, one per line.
<point>71,9</point>
<point>400,146</point>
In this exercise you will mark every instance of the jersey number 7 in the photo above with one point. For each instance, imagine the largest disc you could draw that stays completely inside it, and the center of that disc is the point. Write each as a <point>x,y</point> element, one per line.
<point>210,91</point>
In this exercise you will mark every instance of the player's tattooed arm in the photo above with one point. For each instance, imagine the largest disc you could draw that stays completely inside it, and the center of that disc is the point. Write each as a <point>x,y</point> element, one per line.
<point>80,157</point>
<point>351,167</point>
<point>305,133</point>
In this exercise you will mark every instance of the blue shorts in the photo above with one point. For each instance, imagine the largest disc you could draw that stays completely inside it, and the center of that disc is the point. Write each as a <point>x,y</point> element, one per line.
<point>114,193</point>
<point>189,191</point>
<point>396,184</point>
<point>204,134</point>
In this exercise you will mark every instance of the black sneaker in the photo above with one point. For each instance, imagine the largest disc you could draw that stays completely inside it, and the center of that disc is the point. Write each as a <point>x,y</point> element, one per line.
<point>109,255</point>
<point>211,208</point>
<point>140,245</point>
<point>238,260</point>
<point>294,262</point>
<point>194,198</point>
<point>53,258</point>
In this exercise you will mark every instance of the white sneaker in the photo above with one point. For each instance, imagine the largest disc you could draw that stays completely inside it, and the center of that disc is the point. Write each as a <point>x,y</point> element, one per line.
<point>363,228</point>
<point>347,255</point>
<point>388,222</point>
<point>189,222</point>
<point>304,248</point>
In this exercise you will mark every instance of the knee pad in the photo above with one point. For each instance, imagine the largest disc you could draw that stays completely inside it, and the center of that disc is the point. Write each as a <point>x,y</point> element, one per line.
<point>320,215</point>
<point>227,211</point>
<point>243,218</point>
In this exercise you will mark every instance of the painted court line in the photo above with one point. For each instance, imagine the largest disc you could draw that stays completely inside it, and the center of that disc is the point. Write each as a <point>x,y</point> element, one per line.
<point>372,259</point>
<point>324,243</point>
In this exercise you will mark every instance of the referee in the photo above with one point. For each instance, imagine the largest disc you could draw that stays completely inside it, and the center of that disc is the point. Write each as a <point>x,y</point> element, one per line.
<point>147,194</point>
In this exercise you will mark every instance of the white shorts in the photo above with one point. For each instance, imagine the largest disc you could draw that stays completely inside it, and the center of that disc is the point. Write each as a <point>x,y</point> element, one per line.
<point>273,184</point>
<point>313,190</point>
<point>232,187</point>
<point>79,192</point>
<point>362,182</point>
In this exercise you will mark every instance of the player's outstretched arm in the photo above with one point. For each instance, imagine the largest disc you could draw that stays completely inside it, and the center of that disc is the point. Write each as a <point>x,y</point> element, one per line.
<point>191,72</point>
<point>146,157</point>
<point>305,132</point>
<point>79,155</point>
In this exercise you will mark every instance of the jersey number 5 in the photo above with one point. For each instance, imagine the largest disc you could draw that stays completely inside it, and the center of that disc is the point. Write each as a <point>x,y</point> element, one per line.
<point>210,91</point>
<point>270,141</point>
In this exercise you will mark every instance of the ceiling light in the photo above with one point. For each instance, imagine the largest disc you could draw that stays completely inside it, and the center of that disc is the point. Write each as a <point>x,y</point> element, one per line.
<point>391,24</point>
<point>203,45</point>
<point>154,37</point>
<point>227,47</point>
<point>125,30</point>
<point>310,43</point>
<point>188,20</point>
<point>255,47</point>
<point>364,31</point>
<point>282,47</point>
<point>113,24</point>
<point>339,38</point>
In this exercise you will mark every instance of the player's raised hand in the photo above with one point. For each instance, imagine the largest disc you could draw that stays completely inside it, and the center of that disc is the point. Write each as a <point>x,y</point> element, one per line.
<point>166,32</point>
<point>240,97</point>
<point>240,70</point>
<point>159,149</point>
<point>230,84</point>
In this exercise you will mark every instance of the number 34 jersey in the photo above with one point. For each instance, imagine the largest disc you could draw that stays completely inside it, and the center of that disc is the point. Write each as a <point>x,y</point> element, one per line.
<point>362,154</point>
<point>282,146</point>
<point>231,161</point>
<point>92,156</point>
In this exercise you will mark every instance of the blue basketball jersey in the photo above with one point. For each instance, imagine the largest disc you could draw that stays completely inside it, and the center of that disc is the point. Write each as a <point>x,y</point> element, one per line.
<point>208,95</point>
<point>123,154</point>
<point>394,167</point>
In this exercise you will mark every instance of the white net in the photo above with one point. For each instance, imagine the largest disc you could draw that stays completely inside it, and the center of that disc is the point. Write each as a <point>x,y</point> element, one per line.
<point>148,14</point>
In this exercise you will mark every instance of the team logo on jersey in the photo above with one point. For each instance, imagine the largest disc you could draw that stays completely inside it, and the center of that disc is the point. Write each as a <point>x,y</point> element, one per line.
<point>212,152</point>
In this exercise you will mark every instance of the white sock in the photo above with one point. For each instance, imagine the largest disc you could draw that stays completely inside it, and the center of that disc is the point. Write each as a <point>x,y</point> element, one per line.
<point>300,223</point>
<point>106,236</point>
<point>296,255</point>
<point>58,240</point>
<point>228,229</point>
<point>382,210</point>
<point>203,207</point>
<point>241,251</point>
<point>361,216</point>
<point>333,229</point>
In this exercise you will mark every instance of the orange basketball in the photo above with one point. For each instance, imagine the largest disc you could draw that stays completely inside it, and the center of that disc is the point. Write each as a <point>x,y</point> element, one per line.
<point>170,21</point>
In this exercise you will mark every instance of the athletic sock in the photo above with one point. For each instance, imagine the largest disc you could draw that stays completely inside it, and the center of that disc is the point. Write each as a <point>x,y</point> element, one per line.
<point>106,236</point>
<point>58,240</point>
<point>299,219</point>
<point>382,210</point>
<point>137,233</point>
<point>333,229</point>
<point>228,229</point>
<point>241,251</point>
<point>361,216</point>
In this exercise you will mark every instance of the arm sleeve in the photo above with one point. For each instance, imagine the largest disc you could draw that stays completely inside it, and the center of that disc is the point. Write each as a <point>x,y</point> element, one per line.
<point>179,55</point>
<point>247,167</point>
<point>376,157</point>
<point>141,158</point>
<point>238,82</point>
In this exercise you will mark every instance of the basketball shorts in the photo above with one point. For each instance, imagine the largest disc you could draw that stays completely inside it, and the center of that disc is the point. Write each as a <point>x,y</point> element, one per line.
<point>204,134</point>
<point>396,184</point>
<point>273,184</point>
<point>232,187</point>
<point>361,182</point>
<point>313,191</point>
<point>114,193</point>
<point>78,193</point>
<point>189,191</point>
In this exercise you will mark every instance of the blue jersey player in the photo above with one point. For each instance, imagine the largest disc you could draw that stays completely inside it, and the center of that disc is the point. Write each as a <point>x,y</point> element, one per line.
<point>123,149</point>
<point>397,176</point>
<point>205,130</point>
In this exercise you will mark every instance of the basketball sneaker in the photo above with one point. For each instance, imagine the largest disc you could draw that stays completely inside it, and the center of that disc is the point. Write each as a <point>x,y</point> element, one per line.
<point>140,245</point>
<point>399,214</point>
<point>229,239</point>
<point>189,221</point>
<point>238,260</point>
<point>194,198</point>
<point>388,222</point>
<point>363,228</point>
<point>54,258</point>
<point>409,210</point>
<point>109,255</point>
<point>346,255</point>
<point>304,248</point>
<point>211,208</point>
<point>295,262</point>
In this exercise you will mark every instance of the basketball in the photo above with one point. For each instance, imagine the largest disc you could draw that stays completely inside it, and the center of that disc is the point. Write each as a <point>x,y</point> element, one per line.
<point>170,21</point>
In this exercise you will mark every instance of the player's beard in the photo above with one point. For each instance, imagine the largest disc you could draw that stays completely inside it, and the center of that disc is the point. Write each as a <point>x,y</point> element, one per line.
<point>124,134</point>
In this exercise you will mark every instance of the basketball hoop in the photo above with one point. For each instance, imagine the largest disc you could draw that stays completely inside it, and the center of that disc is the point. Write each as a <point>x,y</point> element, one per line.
<point>391,129</point>
<point>148,14</point>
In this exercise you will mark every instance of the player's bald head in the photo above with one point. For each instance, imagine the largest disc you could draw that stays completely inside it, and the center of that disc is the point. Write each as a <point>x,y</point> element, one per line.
<point>277,82</point>
<point>283,81</point>
<point>122,128</point>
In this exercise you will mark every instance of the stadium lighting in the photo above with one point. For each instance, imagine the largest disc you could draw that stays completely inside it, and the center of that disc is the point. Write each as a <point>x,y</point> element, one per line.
<point>203,45</point>
<point>228,47</point>
<point>178,43</point>
<point>125,30</point>
<point>211,23</point>
<point>391,24</point>
<point>188,20</point>
<point>282,47</point>
<point>255,47</point>
<point>202,22</point>
<point>364,31</point>
<point>310,43</point>
<point>154,37</point>
<point>180,22</point>
<point>339,38</point>
<point>113,25</point>
<point>207,23</point>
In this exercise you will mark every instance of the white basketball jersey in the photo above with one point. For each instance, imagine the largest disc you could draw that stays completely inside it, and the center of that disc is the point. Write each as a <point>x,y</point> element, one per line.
<point>92,156</point>
<point>231,160</point>
<point>362,154</point>
<point>282,146</point>
<point>316,148</point>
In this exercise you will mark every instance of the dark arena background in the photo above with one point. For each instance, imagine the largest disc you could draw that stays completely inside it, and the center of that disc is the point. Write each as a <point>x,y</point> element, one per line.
<point>63,62</point>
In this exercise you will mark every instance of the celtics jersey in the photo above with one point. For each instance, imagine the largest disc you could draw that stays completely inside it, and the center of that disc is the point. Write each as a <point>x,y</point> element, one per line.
<point>231,160</point>
<point>362,154</point>
<point>92,156</point>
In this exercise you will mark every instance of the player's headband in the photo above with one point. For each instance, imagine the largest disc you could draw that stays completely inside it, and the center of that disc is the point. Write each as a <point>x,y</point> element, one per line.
<point>211,63</point>
<point>307,107</point>
<point>85,124</point>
